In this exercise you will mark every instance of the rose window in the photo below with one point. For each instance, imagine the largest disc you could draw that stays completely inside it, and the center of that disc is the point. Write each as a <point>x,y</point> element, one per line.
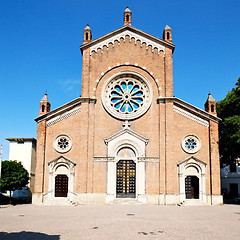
<point>62,143</point>
<point>191,144</point>
<point>126,96</point>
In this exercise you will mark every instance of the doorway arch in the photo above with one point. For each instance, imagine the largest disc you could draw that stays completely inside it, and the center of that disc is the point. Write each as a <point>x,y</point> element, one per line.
<point>192,180</point>
<point>61,179</point>
<point>126,173</point>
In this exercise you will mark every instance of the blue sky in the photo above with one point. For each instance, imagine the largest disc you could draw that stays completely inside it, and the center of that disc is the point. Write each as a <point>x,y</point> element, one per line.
<point>40,39</point>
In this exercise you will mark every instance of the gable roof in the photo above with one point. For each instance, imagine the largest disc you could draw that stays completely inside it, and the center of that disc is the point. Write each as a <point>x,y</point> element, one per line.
<point>129,30</point>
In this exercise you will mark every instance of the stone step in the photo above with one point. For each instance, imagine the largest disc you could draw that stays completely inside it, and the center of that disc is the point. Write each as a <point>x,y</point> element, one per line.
<point>194,202</point>
<point>126,201</point>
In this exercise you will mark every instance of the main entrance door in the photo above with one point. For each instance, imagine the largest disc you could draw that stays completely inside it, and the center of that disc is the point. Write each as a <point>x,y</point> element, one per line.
<point>192,187</point>
<point>126,179</point>
<point>61,185</point>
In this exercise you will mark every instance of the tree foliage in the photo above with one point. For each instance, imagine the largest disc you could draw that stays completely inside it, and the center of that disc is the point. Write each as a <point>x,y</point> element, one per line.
<point>14,176</point>
<point>229,128</point>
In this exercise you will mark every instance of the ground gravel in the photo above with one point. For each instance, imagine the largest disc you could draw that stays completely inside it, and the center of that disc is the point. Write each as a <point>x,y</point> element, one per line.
<point>125,222</point>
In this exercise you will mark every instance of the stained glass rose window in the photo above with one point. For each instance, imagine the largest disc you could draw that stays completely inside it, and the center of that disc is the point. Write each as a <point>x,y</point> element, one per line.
<point>127,96</point>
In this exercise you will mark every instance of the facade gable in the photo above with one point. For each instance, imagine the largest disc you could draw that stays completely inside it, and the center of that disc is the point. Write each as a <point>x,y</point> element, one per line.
<point>132,32</point>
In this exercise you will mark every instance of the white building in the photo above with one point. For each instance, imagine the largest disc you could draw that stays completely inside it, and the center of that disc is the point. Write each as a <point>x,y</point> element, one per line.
<point>24,150</point>
<point>230,180</point>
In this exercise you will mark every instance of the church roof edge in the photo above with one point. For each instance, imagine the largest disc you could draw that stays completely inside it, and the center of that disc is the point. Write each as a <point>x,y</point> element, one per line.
<point>122,29</point>
<point>64,108</point>
<point>21,139</point>
<point>191,108</point>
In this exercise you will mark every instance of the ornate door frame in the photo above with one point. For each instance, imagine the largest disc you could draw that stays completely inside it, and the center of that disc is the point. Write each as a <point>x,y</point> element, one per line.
<point>126,138</point>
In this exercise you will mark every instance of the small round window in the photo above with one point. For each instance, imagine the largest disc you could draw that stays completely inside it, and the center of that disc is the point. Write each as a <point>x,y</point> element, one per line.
<point>62,143</point>
<point>191,144</point>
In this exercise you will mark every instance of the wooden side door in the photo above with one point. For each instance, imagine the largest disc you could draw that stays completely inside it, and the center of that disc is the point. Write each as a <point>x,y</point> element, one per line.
<point>61,185</point>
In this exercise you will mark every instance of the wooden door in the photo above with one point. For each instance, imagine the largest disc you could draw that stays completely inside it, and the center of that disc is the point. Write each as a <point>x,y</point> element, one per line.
<point>188,185</point>
<point>61,185</point>
<point>126,179</point>
<point>192,187</point>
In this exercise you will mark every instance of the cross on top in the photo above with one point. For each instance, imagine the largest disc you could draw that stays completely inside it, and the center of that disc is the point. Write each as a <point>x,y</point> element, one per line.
<point>126,124</point>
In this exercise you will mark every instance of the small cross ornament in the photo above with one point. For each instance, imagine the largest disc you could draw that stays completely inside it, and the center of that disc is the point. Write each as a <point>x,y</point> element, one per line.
<point>126,125</point>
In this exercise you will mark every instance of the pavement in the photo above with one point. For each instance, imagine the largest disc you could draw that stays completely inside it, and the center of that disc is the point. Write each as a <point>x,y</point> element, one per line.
<point>125,222</point>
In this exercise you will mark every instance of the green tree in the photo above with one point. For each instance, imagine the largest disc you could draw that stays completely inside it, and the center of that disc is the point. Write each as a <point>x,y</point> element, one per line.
<point>229,128</point>
<point>14,176</point>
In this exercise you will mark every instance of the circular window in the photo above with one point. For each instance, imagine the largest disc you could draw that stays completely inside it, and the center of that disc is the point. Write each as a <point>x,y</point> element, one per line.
<point>62,143</point>
<point>191,144</point>
<point>126,96</point>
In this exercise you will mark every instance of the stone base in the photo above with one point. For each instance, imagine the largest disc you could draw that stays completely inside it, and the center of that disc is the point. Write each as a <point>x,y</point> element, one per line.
<point>37,199</point>
<point>101,198</point>
<point>90,198</point>
<point>217,200</point>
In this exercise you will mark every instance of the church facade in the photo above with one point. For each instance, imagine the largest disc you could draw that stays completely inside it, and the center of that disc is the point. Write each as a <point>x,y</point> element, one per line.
<point>127,138</point>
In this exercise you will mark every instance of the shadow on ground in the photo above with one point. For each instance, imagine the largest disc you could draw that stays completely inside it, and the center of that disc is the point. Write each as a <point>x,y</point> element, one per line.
<point>27,236</point>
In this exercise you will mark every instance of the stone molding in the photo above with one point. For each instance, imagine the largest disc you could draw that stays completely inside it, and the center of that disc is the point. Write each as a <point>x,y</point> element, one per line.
<point>190,116</point>
<point>129,131</point>
<point>112,159</point>
<point>61,159</point>
<point>131,35</point>
<point>192,159</point>
<point>103,159</point>
<point>189,108</point>
<point>148,159</point>
<point>63,116</point>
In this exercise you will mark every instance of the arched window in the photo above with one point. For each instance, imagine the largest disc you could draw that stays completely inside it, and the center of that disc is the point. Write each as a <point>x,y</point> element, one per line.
<point>127,18</point>
<point>212,108</point>
<point>43,108</point>
<point>48,107</point>
<point>126,152</point>
<point>168,35</point>
<point>86,36</point>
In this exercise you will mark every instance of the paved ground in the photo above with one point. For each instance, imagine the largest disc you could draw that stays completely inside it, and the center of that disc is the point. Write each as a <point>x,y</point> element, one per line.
<point>119,222</point>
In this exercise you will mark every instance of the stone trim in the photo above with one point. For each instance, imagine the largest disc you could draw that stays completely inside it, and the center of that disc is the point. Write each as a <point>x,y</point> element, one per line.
<point>148,159</point>
<point>64,108</point>
<point>190,116</point>
<point>103,159</point>
<point>62,159</point>
<point>123,35</point>
<point>129,131</point>
<point>63,116</point>
<point>190,108</point>
<point>193,159</point>
<point>140,159</point>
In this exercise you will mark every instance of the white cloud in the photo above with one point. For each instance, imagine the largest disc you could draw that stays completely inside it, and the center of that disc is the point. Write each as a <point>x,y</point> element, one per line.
<point>69,84</point>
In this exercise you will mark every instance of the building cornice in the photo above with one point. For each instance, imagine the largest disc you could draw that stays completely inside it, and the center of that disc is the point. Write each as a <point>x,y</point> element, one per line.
<point>190,108</point>
<point>21,139</point>
<point>66,107</point>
